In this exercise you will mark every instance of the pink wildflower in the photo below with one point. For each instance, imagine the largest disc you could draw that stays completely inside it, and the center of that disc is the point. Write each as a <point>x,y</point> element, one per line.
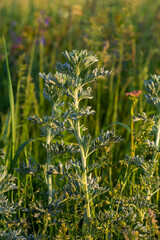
<point>133,93</point>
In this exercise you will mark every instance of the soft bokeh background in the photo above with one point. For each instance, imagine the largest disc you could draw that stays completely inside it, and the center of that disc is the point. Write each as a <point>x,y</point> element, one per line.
<point>124,34</point>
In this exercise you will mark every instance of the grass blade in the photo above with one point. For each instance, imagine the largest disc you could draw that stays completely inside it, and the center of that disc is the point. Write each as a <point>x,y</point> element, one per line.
<point>13,163</point>
<point>118,123</point>
<point>11,101</point>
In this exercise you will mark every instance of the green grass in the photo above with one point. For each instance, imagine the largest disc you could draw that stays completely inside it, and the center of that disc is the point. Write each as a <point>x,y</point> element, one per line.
<point>11,101</point>
<point>125,37</point>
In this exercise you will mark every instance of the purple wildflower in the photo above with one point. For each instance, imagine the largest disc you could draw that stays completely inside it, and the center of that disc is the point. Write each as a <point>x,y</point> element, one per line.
<point>43,41</point>
<point>47,21</point>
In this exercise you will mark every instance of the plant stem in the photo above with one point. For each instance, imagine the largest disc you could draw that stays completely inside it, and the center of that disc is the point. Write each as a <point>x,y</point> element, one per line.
<point>132,131</point>
<point>154,158</point>
<point>41,52</point>
<point>49,177</point>
<point>115,110</point>
<point>83,159</point>
<point>132,140</point>
<point>158,135</point>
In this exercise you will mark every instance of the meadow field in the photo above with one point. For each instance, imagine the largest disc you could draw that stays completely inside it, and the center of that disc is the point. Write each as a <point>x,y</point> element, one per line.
<point>79,119</point>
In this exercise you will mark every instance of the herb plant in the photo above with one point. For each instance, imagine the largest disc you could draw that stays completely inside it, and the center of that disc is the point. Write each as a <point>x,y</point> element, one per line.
<point>82,206</point>
<point>71,80</point>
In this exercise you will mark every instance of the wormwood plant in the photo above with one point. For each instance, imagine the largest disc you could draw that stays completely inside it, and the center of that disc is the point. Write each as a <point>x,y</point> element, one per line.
<point>71,82</point>
<point>149,137</point>
<point>8,222</point>
<point>133,214</point>
<point>141,204</point>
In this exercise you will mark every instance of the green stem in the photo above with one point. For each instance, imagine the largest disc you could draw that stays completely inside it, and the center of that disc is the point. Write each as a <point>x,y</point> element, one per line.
<point>115,110</point>
<point>132,131</point>
<point>132,140</point>
<point>41,52</point>
<point>111,95</point>
<point>154,158</point>
<point>31,184</point>
<point>158,135</point>
<point>123,187</point>
<point>83,159</point>
<point>49,177</point>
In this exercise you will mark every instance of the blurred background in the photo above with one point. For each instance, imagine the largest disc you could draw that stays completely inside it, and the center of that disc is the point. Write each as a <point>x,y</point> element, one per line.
<point>124,34</point>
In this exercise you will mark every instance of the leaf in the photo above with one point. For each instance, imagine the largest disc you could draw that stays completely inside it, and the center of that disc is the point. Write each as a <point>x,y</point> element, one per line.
<point>11,100</point>
<point>5,128</point>
<point>118,123</point>
<point>14,161</point>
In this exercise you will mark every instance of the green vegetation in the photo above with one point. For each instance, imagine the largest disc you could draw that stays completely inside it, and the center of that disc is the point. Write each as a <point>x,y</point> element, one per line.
<point>81,174</point>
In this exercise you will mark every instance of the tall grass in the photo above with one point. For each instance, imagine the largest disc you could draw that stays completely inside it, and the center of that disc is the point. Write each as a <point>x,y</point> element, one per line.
<point>129,65</point>
<point>124,35</point>
<point>11,101</point>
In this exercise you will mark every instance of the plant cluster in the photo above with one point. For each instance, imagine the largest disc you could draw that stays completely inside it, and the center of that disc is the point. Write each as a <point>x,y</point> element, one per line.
<point>82,206</point>
<point>50,198</point>
<point>39,32</point>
